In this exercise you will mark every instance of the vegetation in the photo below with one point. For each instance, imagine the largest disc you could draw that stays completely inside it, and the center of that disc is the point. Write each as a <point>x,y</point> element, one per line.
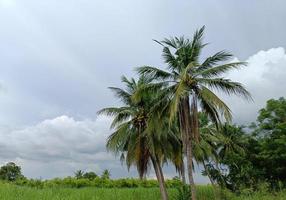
<point>10,172</point>
<point>12,192</point>
<point>81,179</point>
<point>248,159</point>
<point>71,182</point>
<point>105,174</point>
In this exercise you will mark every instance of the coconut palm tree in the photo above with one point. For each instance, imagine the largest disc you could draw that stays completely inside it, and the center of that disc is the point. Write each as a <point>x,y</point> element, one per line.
<point>106,174</point>
<point>139,129</point>
<point>79,174</point>
<point>129,122</point>
<point>231,140</point>
<point>191,84</point>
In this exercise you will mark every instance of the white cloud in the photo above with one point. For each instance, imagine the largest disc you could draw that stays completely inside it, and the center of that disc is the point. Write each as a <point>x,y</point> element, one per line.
<point>264,77</point>
<point>59,146</point>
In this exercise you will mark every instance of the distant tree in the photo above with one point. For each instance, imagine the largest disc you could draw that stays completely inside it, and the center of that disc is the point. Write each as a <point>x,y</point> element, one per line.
<point>90,175</point>
<point>105,174</point>
<point>232,146</point>
<point>271,139</point>
<point>10,172</point>
<point>79,174</point>
<point>232,139</point>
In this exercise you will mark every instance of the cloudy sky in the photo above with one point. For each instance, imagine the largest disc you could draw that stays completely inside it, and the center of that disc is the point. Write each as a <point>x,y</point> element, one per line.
<point>57,59</point>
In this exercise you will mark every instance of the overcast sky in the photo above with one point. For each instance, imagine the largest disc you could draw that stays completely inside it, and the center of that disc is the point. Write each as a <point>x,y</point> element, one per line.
<point>57,59</point>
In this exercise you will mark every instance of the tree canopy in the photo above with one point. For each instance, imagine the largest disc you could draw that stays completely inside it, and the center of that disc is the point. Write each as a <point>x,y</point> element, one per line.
<point>10,172</point>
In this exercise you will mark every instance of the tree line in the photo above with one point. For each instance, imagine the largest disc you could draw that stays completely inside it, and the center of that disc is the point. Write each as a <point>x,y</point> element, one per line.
<point>12,174</point>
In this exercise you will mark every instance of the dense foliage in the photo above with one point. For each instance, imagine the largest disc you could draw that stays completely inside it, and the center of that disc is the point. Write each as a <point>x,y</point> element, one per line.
<point>10,172</point>
<point>259,156</point>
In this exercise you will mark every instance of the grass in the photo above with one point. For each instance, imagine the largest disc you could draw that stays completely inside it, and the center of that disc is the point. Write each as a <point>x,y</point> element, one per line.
<point>262,196</point>
<point>12,192</point>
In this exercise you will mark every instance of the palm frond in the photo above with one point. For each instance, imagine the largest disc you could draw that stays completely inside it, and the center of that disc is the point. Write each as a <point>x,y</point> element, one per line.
<point>112,111</point>
<point>218,70</point>
<point>170,59</point>
<point>121,94</point>
<point>154,73</point>
<point>207,95</point>
<point>118,139</point>
<point>125,80</point>
<point>215,59</point>
<point>120,118</point>
<point>210,110</point>
<point>196,45</point>
<point>181,41</point>
<point>181,91</point>
<point>170,42</point>
<point>226,85</point>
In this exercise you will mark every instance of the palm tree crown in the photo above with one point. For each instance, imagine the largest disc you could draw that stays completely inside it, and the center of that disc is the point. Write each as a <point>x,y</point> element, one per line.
<point>139,127</point>
<point>187,76</point>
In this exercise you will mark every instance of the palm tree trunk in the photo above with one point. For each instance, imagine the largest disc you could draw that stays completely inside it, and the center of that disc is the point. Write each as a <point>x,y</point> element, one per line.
<point>194,119</point>
<point>184,141</point>
<point>189,148</point>
<point>190,170</point>
<point>160,178</point>
<point>183,172</point>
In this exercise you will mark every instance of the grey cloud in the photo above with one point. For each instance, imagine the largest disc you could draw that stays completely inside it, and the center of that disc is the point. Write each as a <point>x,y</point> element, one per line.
<point>58,57</point>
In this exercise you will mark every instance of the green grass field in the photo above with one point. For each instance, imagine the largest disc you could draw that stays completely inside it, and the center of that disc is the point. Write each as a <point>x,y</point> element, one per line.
<point>12,192</point>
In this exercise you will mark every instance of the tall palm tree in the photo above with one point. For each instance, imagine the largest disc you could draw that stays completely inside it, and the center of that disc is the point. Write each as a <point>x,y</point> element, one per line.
<point>129,122</point>
<point>139,129</point>
<point>190,84</point>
